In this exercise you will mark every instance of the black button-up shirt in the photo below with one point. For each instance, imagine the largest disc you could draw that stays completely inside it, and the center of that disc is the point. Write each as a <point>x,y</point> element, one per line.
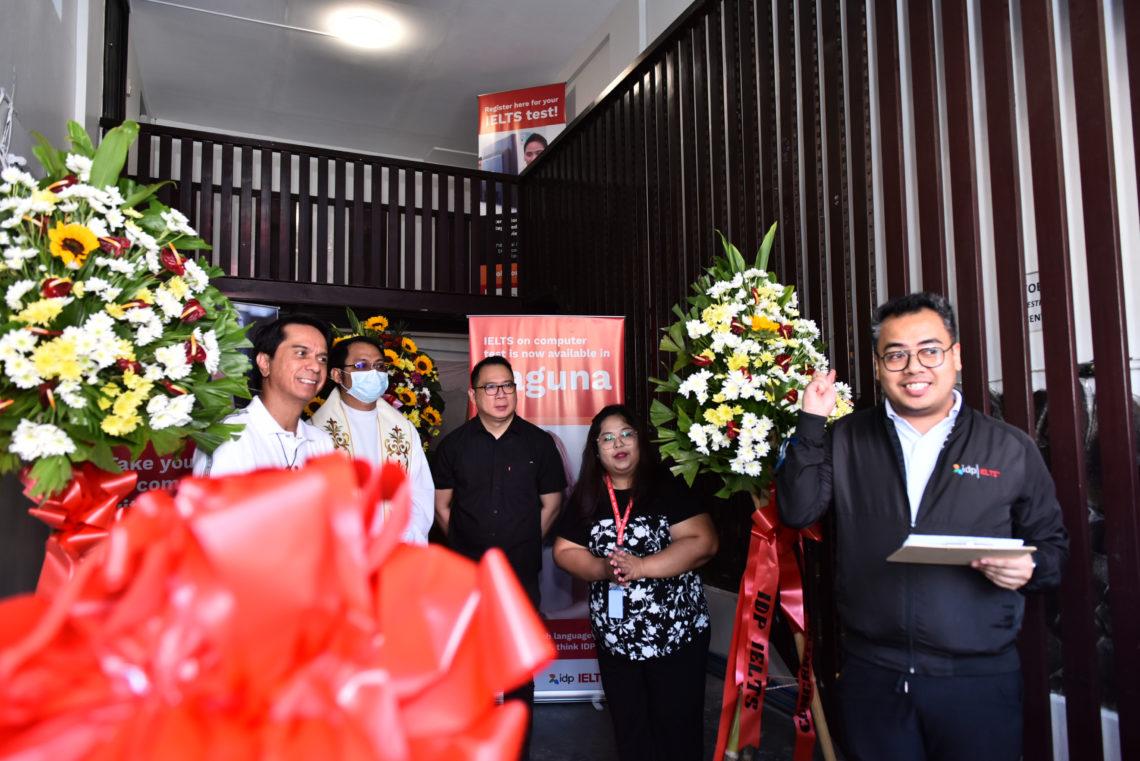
<point>497,483</point>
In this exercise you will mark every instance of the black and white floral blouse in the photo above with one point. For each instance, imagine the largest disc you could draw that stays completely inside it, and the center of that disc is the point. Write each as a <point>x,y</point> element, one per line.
<point>660,615</point>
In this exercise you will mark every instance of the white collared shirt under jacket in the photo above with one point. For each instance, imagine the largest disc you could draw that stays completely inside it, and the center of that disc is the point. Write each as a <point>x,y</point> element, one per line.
<point>920,450</point>
<point>263,444</point>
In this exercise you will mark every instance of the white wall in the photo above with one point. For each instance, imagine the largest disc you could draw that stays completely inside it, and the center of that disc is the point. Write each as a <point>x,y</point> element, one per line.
<point>630,29</point>
<point>53,51</point>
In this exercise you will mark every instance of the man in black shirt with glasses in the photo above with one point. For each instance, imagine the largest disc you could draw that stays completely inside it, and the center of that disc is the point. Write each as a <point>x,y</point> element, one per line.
<point>499,482</point>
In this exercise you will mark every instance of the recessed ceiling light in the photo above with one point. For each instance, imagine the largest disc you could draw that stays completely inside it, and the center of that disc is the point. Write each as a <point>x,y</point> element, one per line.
<point>366,28</point>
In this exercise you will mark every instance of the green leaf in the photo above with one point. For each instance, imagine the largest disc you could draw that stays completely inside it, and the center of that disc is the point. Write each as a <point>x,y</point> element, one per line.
<point>102,457</point>
<point>50,159</point>
<point>112,154</point>
<point>136,194</point>
<point>667,344</point>
<point>353,321</point>
<point>684,422</point>
<point>50,475</point>
<point>732,253</point>
<point>660,413</point>
<point>766,248</point>
<point>190,243</point>
<point>80,140</point>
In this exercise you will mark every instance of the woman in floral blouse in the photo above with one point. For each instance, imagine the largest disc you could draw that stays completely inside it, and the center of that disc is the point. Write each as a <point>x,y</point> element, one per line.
<point>636,534</point>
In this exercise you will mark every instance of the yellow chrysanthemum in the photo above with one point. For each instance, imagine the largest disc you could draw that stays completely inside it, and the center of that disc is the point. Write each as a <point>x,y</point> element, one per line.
<point>414,418</point>
<point>760,322</point>
<point>57,359</point>
<point>405,364</point>
<point>715,315</point>
<point>423,364</point>
<point>408,345</point>
<point>116,425</point>
<point>116,311</point>
<point>72,243</point>
<point>42,312</point>
<point>406,395</point>
<point>719,398</point>
<point>719,415</point>
<point>107,395</point>
<point>766,358</point>
<point>377,322</point>
<point>178,288</point>
<point>124,349</point>
<point>144,295</point>
<point>44,199</point>
<point>432,416</point>
<point>738,361</point>
<point>135,382</point>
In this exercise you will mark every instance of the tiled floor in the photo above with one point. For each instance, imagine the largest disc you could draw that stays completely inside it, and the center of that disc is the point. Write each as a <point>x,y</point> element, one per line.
<point>581,732</point>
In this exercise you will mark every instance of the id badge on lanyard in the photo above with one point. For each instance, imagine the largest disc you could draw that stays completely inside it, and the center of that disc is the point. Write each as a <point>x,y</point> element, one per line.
<point>615,599</point>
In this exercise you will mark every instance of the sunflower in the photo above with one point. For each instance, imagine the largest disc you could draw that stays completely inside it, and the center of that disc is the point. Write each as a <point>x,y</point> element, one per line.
<point>72,243</point>
<point>431,416</point>
<point>391,356</point>
<point>315,404</point>
<point>406,396</point>
<point>423,364</point>
<point>408,345</point>
<point>379,323</point>
<point>338,339</point>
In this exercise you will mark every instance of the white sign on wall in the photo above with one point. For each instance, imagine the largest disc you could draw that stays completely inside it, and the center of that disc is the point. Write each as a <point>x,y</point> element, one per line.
<point>1033,301</point>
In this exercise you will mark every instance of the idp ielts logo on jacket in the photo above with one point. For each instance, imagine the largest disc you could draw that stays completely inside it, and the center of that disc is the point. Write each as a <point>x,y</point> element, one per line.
<point>977,471</point>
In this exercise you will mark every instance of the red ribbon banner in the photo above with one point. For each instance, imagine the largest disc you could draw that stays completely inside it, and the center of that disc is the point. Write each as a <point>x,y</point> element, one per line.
<point>772,573</point>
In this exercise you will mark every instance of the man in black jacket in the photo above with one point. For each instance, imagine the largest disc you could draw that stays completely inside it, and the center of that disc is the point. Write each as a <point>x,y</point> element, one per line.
<point>931,668</point>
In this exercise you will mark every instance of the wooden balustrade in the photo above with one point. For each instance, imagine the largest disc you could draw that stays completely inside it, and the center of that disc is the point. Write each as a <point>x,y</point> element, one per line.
<point>303,225</point>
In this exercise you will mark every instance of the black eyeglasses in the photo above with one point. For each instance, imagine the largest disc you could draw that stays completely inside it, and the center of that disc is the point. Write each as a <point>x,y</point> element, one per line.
<point>493,389</point>
<point>929,357</point>
<point>379,366</point>
<point>610,440</point>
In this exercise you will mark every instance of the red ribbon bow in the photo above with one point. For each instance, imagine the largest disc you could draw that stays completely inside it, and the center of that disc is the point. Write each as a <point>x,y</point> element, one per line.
<point>261,616</point>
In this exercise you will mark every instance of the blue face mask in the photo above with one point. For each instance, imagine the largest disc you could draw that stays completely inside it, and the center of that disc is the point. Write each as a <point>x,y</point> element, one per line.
<point>368,385</point>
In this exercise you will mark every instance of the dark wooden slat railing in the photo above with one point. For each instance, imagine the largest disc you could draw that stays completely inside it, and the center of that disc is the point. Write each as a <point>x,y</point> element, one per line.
<point>330,218</point>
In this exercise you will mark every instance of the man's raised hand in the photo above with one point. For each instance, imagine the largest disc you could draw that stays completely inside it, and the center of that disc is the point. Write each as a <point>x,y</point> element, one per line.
<point>819,396</point>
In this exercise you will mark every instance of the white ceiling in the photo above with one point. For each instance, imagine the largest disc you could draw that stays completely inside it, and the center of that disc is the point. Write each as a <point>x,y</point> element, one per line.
<point>250,66</point>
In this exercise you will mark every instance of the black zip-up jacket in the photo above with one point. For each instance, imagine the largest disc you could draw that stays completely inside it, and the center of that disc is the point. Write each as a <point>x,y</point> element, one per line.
<point>989,480</point>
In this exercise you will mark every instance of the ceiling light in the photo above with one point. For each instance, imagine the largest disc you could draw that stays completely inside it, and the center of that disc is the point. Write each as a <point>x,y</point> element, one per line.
<point>366,28</point>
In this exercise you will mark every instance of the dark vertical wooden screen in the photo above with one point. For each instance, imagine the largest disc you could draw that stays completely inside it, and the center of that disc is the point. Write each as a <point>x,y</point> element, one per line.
<point>745,113</point>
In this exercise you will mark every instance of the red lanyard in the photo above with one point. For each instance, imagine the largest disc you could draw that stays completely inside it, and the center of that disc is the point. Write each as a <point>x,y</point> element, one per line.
<point>620,521</point>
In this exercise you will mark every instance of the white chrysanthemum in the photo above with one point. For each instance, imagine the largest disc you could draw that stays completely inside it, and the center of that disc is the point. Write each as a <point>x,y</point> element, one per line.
<point>168,303</point>
<point>22,372</point>
<point>152,373</point>
<point>140,237</point>
<point>150,331</point>
<point>176,222</point>
<point>32,441</point>
<point>167,411</point>
<point>78,165</point>
<point>195,276</point>
<point>14,297</point>
<point>696,385</point>
<point>122,266</point>
<point>15,256</point>
<point>696,328</point>
<point>69,392</point>
<point>173,360</point>
<point>14,176</point>
<point>98,227</point>
<point>17,342</point>
<point>725,339</point>
<point>699,437</point>
<point>209,342</point>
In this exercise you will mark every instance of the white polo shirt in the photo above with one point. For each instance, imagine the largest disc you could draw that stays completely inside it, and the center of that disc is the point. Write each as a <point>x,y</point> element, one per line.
<point>920,450</point>
<point>263,444</point>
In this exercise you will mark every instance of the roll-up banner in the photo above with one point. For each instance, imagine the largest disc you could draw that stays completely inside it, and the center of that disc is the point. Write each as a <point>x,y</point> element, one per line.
<point>514,129</point>
<point>566,368</point>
